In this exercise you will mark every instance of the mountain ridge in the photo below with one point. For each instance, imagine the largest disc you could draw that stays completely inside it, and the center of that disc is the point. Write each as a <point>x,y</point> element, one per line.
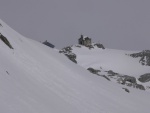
<point>100,61</point>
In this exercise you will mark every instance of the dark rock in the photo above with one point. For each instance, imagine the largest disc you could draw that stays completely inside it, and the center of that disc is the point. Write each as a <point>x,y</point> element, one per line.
<point>99,45</point>
<point>67,51</point>
<point>126,90</point>
<point>61,51</point>
<point>111,73</point>
<point>7,72</point>
<point>129,79</point>
<point>48,44</point>
<point>144,78</point>
<point>139,86</point>
<point>144,55</point>
<point>4,39</point>
<point>130,84</point>
<point>72,57</point>
<point>1,25</point>
<point>94,71</point>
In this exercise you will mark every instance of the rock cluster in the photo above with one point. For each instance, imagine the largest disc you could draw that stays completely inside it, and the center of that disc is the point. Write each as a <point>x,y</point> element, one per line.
<point>111,73</point>
<point>72,57</point>
<point>121,79</point>
<point>127,90</point>
<point>144,78</point>
<point>144,57</point>
<point>94,71</point>
<point>68,52</point>
<point>125,80</point>
<point>99,45</point>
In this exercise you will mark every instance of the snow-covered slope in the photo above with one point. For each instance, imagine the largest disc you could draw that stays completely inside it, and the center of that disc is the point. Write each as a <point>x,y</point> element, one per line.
<point>109,59</point>
<point>117,65</point>
<point>36,79</point>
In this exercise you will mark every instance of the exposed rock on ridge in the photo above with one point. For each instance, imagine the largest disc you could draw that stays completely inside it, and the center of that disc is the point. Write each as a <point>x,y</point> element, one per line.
<point>144,55</point>
<point>67,51</point>
<point>4,39</point>
<point>48,44</point>
<point>144,78</point>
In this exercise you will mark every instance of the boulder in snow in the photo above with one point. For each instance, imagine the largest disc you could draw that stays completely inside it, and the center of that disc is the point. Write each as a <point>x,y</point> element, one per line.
<point>144,78</point>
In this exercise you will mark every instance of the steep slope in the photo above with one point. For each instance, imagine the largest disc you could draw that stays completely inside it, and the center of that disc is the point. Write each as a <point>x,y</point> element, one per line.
<point>36,79</point>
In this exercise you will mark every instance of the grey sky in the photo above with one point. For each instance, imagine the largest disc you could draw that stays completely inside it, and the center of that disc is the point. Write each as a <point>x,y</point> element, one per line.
<point>118,24</point>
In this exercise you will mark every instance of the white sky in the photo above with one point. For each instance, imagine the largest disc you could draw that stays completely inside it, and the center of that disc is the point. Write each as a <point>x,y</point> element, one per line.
<point>118,24</point>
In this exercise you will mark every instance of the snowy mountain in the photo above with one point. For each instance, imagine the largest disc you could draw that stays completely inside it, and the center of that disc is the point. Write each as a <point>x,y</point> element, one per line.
<point>123,67</point>
<point>37,79</point>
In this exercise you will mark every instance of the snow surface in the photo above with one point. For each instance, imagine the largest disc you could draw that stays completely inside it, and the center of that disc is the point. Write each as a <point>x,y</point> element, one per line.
<point>37,79</point>
<point>109,59</point>
<point>118,61</point>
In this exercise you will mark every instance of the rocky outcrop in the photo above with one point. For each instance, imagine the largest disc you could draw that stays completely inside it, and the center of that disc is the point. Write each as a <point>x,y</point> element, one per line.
<point>111,73</point>
<point>1,25</point>
<point>119,78</point>
<point>48,44</point>
<point>99,45</point>
<point>131,82</point>
<point>4,39</point>
<point>129,79</point>
<point>139,86</point>
<point>67,51</point>
<point>124,80</point>
<point>126,90</point>
<point>96,72</point>
<point>72,57</point>
<point>144,78</point>
<point>144,57</point>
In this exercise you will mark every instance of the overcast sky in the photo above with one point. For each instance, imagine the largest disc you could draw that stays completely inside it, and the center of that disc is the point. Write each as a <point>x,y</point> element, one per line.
<point>118,24</point>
